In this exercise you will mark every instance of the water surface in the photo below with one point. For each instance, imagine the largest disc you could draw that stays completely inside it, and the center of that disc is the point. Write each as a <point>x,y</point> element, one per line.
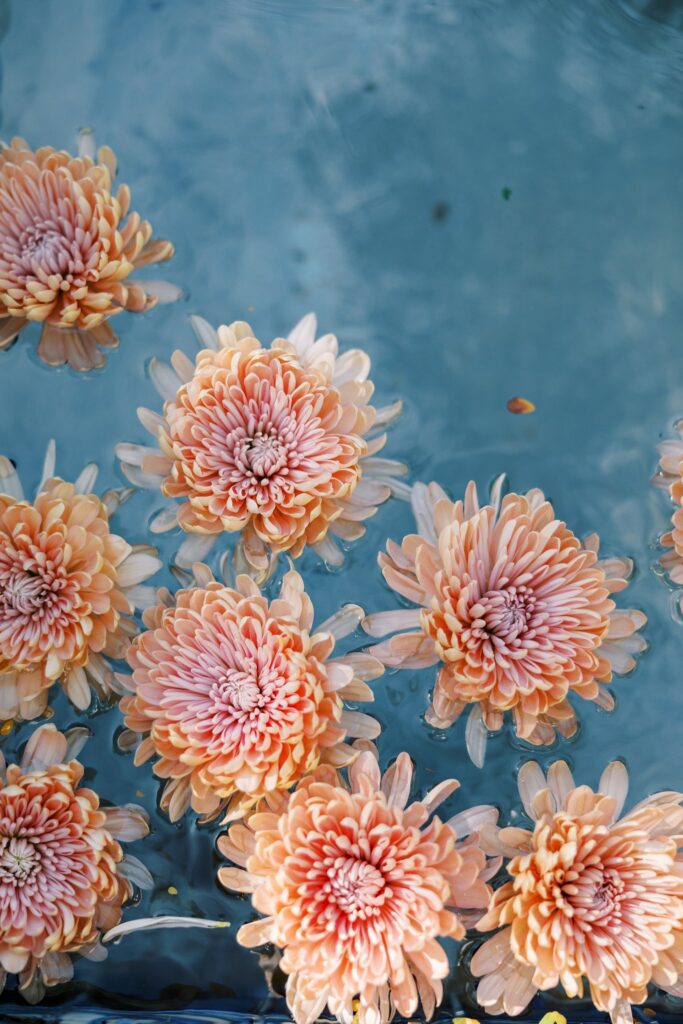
<point>486,196</point>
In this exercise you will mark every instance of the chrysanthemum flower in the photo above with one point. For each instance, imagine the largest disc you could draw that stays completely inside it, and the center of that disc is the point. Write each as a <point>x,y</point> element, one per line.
<point>591,895</point>
<point>358,889</point>
<point>513,606</point>
<point>279,443</point>
<point>67,249</point>
<point>68,590</point>
<point>63,874</point>
<point>237,697</point>
<point>670,476</point>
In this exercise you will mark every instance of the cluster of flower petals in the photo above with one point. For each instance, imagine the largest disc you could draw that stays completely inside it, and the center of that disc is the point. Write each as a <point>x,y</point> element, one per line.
<point>238,697</point>
<point>670,477</point>
<point>358,885</point>
<point>516,611</point>
<point>592,896</point>
<point>68,590</point>
<point>63,874</point>
<point>67,249</point>
<point>242,704</point>
<point>278,443</point>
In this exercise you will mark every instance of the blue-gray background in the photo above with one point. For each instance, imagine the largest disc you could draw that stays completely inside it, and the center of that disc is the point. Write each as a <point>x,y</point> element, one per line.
<point>484,195</point>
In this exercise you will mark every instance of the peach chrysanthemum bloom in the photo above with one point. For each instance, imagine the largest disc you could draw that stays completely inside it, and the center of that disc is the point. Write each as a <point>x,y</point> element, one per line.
<point>591,895</point>
<point>63,874</point>
<point>670,477</point>
<point>67,250</point>
<point>279,443</point>
<point>358,888</point>
<point>513,606</point>
<point>238,697</point>
<point>68,590</point>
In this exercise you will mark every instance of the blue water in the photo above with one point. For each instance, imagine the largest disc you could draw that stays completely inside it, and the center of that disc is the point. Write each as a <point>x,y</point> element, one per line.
<point>487,197</point>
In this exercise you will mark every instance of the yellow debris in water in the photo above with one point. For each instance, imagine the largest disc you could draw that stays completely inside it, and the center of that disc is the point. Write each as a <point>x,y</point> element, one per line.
<point>6,727</point>
<point>553,1018</point>
<point>139,792</point>
<point>520,406</point>
<point>172,891</point>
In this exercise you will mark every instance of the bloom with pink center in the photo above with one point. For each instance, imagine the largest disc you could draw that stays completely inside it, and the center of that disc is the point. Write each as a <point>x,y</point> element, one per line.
<point>237,696</point>
<point>591,896</point>
<point>515,609</point>
<point>68,590</point>
<point>67,250</point>
<point>670,476</point>
<point>63,874</point>
<point>278,443</point>
<point>358,886</point>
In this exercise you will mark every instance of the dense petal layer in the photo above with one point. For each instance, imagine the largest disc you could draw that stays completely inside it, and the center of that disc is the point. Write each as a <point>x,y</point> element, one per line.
<point>591,896</point>
<point>279,443</point>
<point>237,697</point>
<point>68,588</point>
<point>357,889</point>
<point>67,249</point>
<point>514,607</point>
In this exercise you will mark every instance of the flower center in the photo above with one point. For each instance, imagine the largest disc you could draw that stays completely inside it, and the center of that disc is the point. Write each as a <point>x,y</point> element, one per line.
<point>262,455</point>
<point>596,893</point>
<point>238,691</point>
<point>44,244</point>
<point>504,614</point>
<point>23,593</point>
<point>19,860</point>
<point>355,886</point>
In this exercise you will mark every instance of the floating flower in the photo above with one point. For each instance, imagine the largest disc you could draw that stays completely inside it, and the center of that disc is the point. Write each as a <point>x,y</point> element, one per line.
<point>670,476</point>
<point>237,697</point>
<point>67,250</point>
<point>68,590</point>
<point>513,606</point>
<point>279,443</point>
<point>591,895</point>
<point>63,874</point>
<point>357,891</point>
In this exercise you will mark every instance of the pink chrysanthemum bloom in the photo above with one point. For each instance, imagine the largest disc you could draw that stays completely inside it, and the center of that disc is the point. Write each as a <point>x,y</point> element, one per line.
<point>670,476</point>
<point>63,874</point>
<point>513,606</point>
<point>591,895</point>
<point>67,250</point>
<point>238,697</point>
<point>279,443</point>
<point>358,888</point>
<point>68,590</point>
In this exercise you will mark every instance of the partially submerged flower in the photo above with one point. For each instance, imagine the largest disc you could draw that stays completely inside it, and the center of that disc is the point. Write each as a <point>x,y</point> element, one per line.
<point>670,476</point>
<point>67,249</point>
<point>68,590</point>
<point>591,896</point>
<point>513,607</point>
<point>238,697</point>
<point>279,443</point>
<point>63,874</point>
<point>358,885</point>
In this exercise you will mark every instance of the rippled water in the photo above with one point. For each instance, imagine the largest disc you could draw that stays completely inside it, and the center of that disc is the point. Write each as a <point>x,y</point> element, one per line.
<point>484,195</point>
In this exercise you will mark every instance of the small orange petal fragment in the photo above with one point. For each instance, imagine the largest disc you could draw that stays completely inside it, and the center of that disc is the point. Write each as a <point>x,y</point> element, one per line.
<point>520,406</point>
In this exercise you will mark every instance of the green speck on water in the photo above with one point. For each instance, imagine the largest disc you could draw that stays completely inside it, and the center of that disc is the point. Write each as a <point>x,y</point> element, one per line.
<point>506,193</point>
